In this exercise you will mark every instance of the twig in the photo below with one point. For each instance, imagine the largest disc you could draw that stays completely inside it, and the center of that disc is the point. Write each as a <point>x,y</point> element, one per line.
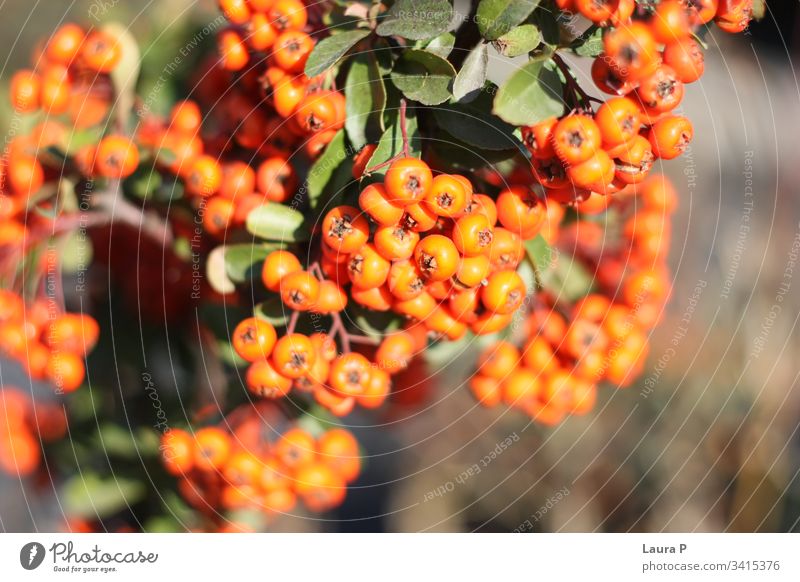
<point>573,87</point>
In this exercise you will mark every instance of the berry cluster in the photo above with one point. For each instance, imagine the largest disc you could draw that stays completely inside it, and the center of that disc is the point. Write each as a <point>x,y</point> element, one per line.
<point>23,424</point>
<point>240,466</point>
<point>269,107</point>
<point>648,56</point>
<point>48,346</point>
<point>436,253</point>
<point>568,348</point>
<point>311,363</point>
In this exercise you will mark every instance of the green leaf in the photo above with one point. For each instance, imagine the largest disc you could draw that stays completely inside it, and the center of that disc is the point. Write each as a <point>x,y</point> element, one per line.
<point>143,182</point>
<point>590,43</point>
<point>472,76</point>
<point>458,156</point>
<point>530,95</point>
<point>475,126</point>
<point>424,77</point>
<point>373,323</point>
<point>366,100</point>
<point>272,310</point>
<point>520,40</point>
<point>329,50</point>
<point>89,496</point>
<point>416,19</point>
<point>540,255</point>
<point>126,74</point>
<point>277,222</point>
<point>497,17</point>
<point>548,26</point>
<point>442,45</point>
<point>391,142</point>
<point>567,279</point>
<point>331,172</point>
<point>243,261</point>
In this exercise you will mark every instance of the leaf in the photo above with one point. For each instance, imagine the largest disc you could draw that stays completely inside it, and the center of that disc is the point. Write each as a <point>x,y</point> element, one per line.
<point>442,45</point>
<point>373,323</point>
<point>520,40</point>
<point>89,496</point>
<point>530,95</point>
<point>329,50</point>
<point>143,182</point>
<point>366,99</point>
<point>391,142</point>
<point>331,171</point>
<point>475,126</point>
<point>217,273</point>
<point>497,17</point>
<point>424,77</point>
<point>540,255</point>
<point>472,76</point>
<point>126,73</point>
<point>416,19</point>
<point>272,310</point>
<point>243,261</point>
<point>277,222</point>
<point>547,23</point>
<point>567,279</point>
<point>590,43</point>
<point>458,156</point>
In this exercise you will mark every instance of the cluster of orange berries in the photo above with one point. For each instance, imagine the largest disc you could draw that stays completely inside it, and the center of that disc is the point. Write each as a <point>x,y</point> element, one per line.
<point>69,59</point>
<point>431,249</point>
<point>244,469</point>
<point>647,59</point>
<point>568,349</point>
<point>23,424</point>
<point>270,108</point>
<point>312,363</point>
<point>69,78</point>
<point>47,346</point>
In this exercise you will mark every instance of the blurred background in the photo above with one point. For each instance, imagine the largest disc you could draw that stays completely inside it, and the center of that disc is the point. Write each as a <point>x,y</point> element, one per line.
<point>706,440</point>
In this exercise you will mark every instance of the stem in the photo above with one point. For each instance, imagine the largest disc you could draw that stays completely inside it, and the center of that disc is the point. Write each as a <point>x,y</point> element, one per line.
<point>292,322</point>
<point>573,87</point>
<point>406,151</point>
<point>403,128</point>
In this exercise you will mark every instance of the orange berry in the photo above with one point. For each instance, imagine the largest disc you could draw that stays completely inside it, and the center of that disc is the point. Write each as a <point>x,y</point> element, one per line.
<point>278,265</point>
<point>263,380</point>
<point>437,257</point>
<point>253,339</point>
<point>504,292</point>
<point>407,180</point>
<point>293,355</point>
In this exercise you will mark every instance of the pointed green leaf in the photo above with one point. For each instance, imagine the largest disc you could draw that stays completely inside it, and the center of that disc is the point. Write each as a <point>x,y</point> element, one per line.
<point>329,50</point>
<point>442,45</point>
<point>423,76</point>
<point>89,496</point>
<point>331,172</point>
<point>497,17</point>
<point>475,126</point>
<point>277,222</point>
<point>416,19</point>
<point>588,44</point>
<point>366,99</point>
<point>472,76</point>
<point>530,95</point>
<point>518,41</point>
<point>243,261</point>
